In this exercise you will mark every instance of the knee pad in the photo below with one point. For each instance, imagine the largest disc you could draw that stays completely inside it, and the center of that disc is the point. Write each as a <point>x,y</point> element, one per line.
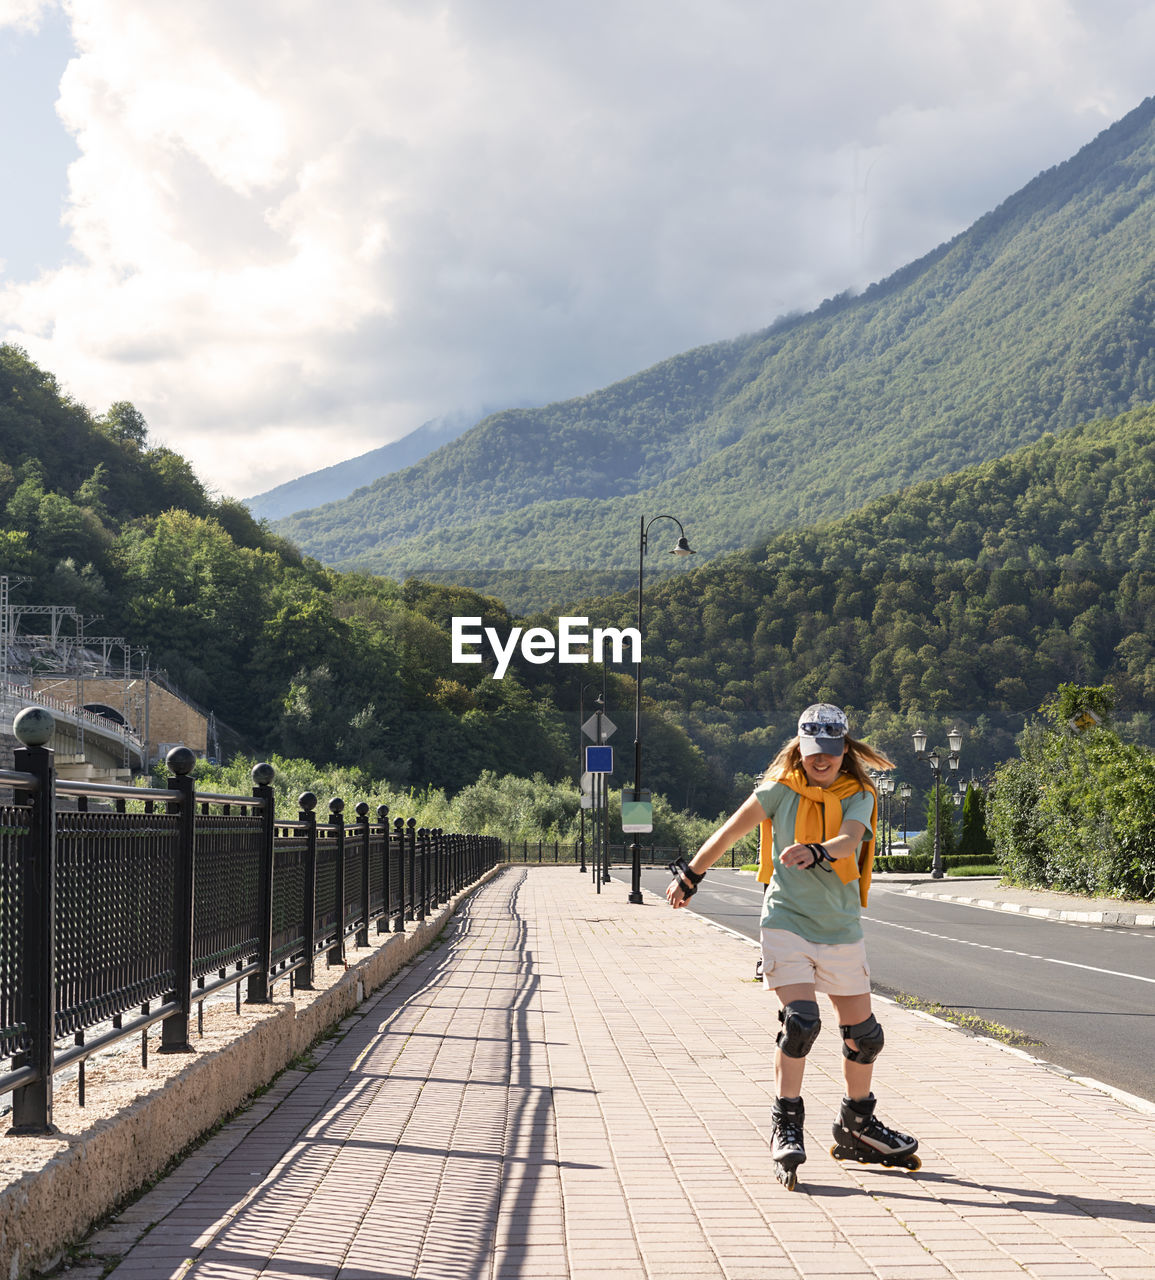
<point>800,1027</point>
<point>869,1038</point>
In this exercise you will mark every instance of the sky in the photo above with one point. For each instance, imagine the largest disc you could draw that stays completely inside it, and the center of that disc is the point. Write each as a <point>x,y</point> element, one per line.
<point>290,231</point>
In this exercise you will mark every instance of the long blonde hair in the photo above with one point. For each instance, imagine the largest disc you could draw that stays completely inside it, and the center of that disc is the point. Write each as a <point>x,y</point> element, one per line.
<point>858,757</point>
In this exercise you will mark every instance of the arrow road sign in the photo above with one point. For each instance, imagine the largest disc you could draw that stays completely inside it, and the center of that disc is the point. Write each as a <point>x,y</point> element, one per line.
<point>590,728</point>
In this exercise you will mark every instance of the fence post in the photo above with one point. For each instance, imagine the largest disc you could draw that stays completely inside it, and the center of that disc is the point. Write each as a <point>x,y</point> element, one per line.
<point>362,938</point>
<point>263,775</point>
<point>383,918</point>
<point>32,1103</point>
<point>399,833</point>
<point>306,803</point>
<point>438,894</point>
<point>411,849</point>
<point>174,1029</point>
<point>336,953</point>
<point>423,861</point>
<point>431,870</point>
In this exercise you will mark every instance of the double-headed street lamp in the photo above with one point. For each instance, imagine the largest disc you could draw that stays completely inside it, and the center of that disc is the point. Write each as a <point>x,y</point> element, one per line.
<point>954,739</point>
<point>887,786</point>
<point>884,787</point>
<point>680,548</point>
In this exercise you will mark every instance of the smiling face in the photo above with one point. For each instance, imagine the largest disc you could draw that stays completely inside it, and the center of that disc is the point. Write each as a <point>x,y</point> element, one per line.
<point>821,769</point>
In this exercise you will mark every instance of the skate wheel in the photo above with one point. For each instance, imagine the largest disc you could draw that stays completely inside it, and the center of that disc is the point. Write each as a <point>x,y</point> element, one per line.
<point>913,1165</point>
<point>836,1153</point>
<point>788,1178</point>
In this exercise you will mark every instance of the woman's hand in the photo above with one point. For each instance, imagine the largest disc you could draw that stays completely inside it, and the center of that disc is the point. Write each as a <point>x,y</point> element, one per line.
<point>675,895</point>
<point>797,855</point>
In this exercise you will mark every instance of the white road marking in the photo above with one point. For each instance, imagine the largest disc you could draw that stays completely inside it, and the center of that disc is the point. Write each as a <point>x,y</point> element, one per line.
<point>1006,951</point>
<point>983,946</point>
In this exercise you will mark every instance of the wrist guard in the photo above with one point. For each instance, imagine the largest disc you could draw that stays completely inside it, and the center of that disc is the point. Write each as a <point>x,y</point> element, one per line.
<point>821,857</point>
<point>688,879</point>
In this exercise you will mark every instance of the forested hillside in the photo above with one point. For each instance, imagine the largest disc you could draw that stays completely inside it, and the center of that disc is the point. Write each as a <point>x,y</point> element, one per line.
<point>970,598</point>
<point>1040,316</point>
<point>337,668</point>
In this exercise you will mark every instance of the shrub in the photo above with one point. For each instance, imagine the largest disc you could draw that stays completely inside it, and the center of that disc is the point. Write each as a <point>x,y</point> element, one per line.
<point>1073,813</point>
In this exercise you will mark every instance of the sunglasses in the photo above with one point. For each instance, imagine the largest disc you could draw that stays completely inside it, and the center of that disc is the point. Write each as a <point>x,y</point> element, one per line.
<point>818,729</point>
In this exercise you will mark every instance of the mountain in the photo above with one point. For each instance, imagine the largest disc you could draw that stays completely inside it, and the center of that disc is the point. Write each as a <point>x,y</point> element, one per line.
<point>340,480</point>
<point>1040,316</point>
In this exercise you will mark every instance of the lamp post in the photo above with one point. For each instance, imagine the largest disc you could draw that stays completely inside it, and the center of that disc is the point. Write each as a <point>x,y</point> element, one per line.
<point>905,790</point>
<point>954,739</point>
<point>680,548</point>
<point>888,786</point>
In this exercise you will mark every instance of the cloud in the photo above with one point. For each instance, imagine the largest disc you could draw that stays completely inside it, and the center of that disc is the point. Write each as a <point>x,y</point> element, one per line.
<point>24,15</point>
<point>299,231</point>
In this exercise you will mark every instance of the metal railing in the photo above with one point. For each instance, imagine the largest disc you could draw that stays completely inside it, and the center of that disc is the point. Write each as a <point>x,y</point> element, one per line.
<point>113,920</point>
<point>559,853</point>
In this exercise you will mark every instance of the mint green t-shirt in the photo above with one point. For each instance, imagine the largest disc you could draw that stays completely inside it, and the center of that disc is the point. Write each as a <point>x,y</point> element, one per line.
<point>814,904</point>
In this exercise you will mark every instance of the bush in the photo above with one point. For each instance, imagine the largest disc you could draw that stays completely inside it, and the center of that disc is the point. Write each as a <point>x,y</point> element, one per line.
<point>1073,813</point>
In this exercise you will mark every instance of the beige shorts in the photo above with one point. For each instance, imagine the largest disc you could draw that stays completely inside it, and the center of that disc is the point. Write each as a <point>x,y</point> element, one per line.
<point>838,968</point>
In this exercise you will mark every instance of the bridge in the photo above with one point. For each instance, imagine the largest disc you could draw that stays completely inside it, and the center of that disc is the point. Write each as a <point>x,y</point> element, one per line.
<point>89,747</point>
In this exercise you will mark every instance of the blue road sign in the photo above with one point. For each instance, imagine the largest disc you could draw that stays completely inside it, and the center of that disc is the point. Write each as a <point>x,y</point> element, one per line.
<point>599,759</point>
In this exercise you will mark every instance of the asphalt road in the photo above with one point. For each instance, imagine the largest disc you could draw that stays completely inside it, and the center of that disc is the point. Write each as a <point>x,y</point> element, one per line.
<point>1084,994</point>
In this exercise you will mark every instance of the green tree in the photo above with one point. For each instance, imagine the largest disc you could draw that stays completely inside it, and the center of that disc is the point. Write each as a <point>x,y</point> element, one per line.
<point>93,491</point>
<point>125,422</point>
<point>974,841</point>
<point>1073,812</point>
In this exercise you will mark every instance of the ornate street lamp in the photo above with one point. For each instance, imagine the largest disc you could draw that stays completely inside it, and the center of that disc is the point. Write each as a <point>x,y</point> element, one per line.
<point>954,739</point>
<point>680,548</point>
<point>905,790</point>
<point>888,785</point>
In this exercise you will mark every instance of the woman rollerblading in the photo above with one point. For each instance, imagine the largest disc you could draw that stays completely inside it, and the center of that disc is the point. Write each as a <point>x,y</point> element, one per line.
<point>816,810</point>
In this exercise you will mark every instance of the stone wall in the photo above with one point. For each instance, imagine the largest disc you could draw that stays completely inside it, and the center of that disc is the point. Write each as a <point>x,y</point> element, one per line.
<point>171,721</point>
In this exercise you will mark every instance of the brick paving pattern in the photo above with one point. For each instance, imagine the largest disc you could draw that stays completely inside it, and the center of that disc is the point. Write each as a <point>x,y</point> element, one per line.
<point>569,1086</point>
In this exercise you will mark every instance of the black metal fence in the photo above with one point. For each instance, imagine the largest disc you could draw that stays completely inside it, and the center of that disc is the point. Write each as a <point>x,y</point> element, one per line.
<point>114,920</point>
<point>560,852</point>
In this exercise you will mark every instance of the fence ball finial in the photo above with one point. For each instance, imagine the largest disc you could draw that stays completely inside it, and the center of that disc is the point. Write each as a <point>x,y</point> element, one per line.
<point>34,726</point>
<point>263,774</point>
<point>180,761</point>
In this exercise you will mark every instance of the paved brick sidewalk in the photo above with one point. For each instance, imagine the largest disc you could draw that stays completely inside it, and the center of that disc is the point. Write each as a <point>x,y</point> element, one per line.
<point>570,1086</point>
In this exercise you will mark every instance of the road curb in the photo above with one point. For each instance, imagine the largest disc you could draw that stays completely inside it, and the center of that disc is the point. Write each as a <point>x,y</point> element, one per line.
<point>1125,919</point>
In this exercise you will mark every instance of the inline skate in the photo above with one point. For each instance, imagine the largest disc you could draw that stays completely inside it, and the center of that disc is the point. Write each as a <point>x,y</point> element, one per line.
<point>787,1147</point>
<point>859,1136</point>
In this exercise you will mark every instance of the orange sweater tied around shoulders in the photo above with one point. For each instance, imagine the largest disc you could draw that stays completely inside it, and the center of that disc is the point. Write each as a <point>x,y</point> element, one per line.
<point>819,817</point>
